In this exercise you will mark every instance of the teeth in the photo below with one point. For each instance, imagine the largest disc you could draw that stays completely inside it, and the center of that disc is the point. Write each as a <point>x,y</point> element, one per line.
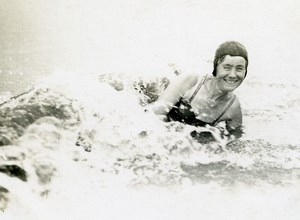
<point>230,82</point>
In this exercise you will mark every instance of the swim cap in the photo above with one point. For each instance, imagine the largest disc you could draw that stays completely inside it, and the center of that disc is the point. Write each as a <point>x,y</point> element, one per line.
<point>232,48</point>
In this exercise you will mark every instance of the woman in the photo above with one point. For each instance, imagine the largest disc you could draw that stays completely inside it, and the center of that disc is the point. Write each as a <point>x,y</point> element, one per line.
<point>208,100</point>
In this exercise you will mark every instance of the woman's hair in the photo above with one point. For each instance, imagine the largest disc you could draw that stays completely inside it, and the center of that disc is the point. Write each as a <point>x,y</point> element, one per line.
<point>232,48</point>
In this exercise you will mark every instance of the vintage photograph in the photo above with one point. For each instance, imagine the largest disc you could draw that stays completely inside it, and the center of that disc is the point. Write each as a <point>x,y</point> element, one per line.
<point>149,109</point>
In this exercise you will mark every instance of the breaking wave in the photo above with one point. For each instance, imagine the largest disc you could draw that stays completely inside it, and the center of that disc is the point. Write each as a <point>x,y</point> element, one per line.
<point>68,128</point>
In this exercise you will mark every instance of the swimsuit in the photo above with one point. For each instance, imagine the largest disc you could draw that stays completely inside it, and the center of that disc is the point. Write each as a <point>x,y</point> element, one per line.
<point>183,112</point>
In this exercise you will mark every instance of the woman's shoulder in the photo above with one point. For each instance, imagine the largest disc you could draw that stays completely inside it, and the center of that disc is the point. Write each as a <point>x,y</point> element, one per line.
<point>235,107</point>
<point>189,80</point>
<point>236,102</point>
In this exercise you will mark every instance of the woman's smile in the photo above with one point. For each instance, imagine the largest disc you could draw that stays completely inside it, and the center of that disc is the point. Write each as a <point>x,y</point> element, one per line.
<point>230,81</point>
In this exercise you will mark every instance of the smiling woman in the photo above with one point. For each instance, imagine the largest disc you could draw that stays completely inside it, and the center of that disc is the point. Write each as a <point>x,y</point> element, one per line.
<point>207,100</point>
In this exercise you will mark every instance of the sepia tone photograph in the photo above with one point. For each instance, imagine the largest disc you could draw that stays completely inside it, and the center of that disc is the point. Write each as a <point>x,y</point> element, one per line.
<point>149,109</point>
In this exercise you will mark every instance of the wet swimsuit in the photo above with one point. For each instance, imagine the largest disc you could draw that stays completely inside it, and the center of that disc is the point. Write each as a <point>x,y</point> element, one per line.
<point>183,112</point>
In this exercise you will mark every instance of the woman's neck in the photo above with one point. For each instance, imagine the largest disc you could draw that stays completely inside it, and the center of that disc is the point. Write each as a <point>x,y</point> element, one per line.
<point>215,92</point>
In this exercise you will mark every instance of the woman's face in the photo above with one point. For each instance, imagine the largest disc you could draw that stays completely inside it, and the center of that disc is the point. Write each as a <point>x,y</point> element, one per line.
<point>231,72</point>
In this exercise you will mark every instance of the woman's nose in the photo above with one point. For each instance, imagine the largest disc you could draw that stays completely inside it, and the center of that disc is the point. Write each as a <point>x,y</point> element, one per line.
<point>232,72</point>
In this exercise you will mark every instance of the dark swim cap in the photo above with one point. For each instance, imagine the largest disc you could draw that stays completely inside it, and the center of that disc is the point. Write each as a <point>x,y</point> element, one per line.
<point>232,48</point>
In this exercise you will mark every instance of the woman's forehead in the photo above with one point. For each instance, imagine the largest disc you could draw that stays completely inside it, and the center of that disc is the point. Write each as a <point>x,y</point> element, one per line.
<point>234,60</point>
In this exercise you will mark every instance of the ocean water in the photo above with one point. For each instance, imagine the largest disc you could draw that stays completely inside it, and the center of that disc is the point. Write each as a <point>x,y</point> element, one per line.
<point>78,143</point>
<point>136,164</point>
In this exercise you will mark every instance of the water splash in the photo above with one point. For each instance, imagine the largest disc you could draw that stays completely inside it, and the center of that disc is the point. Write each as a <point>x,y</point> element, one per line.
<point>129,145</point>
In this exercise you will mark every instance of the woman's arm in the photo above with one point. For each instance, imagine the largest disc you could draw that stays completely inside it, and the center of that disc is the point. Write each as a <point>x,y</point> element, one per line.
<point>173,93</point>
<point>234,125</point>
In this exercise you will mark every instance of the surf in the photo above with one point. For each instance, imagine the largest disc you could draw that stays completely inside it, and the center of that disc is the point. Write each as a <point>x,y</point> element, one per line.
<point>97,131</point>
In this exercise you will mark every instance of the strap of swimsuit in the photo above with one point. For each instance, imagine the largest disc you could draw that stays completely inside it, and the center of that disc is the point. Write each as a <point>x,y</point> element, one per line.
<point>225,110</point>
<point>197,89</point>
